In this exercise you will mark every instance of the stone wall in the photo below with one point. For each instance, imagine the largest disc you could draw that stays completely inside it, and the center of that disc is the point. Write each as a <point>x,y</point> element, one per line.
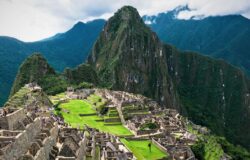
<point>14,117</point>
<point>81,152</point>
<point>22,141</point>
<point>159,146</point>
<point>48,143</point>
<point>40,155</point>
<point>142,132</point>
<point>10,121</point>
<point>9,133</point>
<point>4,123</point>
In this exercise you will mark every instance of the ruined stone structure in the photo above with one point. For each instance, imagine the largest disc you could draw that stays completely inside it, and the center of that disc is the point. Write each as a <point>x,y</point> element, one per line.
<point>137,111</point>
<point>46,138</point>
<point>29,133</point>
<point>79,93</point>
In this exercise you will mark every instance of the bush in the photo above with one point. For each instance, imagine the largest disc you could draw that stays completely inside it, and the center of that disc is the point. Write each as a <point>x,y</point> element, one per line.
<point>103,110</point>
<point>53,84</point>
<point>199,150</point>
<point>84,85</point>
<point>150,125</point>
<point>236,152</point>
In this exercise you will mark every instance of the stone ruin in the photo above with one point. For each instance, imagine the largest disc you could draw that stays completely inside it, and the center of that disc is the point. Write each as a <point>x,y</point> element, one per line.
<point>38,136</point>
<point>78,93</point>
<point>136,110</point>
<point>31,134</point>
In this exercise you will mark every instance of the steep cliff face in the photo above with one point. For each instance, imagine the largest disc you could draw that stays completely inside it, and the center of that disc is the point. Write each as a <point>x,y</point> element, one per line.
<point>33,69</point>
<point>213,93</point>
<point>128,56</point>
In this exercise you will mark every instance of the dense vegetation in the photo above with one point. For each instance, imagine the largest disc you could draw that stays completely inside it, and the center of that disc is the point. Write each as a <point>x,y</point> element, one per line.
<point>126,57</point>
<point>213,94</point>
<point>83,72</point>
<point>210,147</point>
<point>34,69</point>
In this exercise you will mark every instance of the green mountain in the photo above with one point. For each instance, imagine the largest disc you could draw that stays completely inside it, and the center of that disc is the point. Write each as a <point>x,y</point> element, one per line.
<point>82,73</point>
<point>62,50</point>
<point>224,37</point>
<point>34,69</point>
<point>129,56</point>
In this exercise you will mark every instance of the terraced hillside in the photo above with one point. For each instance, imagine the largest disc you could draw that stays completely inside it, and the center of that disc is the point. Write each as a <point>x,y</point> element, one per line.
<point>85,112</point>
<point>81,112</point>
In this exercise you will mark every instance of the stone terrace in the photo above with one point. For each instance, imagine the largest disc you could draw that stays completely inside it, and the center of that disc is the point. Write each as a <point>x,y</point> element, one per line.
<point>167,131</point>
<point>34,135</point>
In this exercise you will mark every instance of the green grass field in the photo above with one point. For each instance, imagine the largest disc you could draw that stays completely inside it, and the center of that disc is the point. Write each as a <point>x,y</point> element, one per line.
<point>76,107</point>
<point>141,151</point>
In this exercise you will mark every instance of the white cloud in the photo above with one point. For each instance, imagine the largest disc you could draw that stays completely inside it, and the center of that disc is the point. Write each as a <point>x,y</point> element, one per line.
<point>215,7</point>
<point>31,20</point>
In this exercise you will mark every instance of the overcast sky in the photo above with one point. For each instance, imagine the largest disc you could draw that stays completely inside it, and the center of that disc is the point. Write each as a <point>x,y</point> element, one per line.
<point>31,20</point>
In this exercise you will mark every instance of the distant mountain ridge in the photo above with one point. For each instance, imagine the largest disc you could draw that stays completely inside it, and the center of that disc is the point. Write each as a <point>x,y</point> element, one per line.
<point>62,50</point>
<point>225,37</point>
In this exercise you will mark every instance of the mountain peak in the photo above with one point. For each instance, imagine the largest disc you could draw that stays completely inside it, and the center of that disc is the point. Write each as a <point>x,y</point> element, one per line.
<point>126,51</point>
<point>128,12</point>
<point>32,70</point>
<point>126,15</point>
<point>79,24</point>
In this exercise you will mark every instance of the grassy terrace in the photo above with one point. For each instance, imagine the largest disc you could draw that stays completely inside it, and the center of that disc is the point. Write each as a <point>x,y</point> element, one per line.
<point>71,110</point>
<point>141,150</point>
<point>76,107</point>
<point>55,99</point>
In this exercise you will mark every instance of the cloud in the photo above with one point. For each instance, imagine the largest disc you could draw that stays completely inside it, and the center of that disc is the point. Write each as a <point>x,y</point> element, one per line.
<point>216,7</point>
<point>31,20</point>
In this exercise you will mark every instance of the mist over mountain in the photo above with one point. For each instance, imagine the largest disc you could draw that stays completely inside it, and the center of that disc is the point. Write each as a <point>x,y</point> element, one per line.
<point>224,37</point>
